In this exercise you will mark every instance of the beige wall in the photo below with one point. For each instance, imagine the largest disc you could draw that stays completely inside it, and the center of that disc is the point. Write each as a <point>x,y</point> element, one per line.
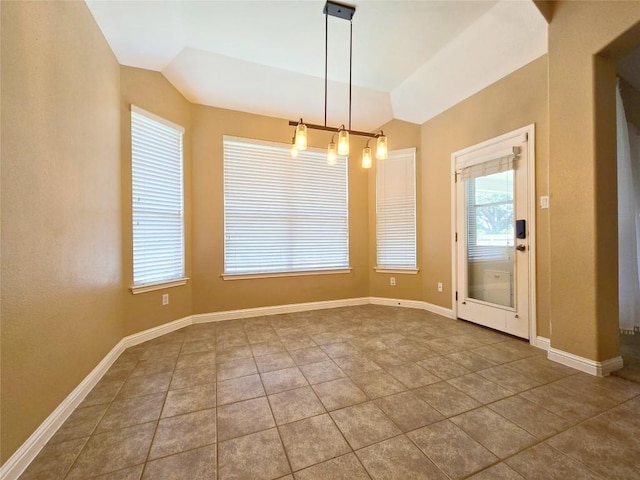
<point>582,174</point>
<point>152,92</point>
<point>515,101</point>
<point>210,292</point>
<point>61,217</point>
<point>408,286</point>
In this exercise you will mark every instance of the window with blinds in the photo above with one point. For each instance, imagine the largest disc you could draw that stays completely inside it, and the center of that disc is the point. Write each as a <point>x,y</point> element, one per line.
<point>157,199</point>
<point>283,214</point>
<point>396,211</point>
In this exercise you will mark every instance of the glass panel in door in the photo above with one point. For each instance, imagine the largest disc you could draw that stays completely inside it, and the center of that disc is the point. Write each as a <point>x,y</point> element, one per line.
<point>490,238</point>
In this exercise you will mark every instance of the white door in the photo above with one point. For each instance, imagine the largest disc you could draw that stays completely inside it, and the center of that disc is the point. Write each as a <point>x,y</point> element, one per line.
<point>492,232</point>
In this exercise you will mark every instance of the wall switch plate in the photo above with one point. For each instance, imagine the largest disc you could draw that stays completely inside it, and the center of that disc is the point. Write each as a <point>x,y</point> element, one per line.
<point>440,287</point>
<point>544,201</point>
<point>392,281</point>
<point>165,299</point>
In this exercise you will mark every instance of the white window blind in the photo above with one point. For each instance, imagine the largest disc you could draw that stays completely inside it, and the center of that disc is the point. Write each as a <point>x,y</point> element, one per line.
<point>283,214</point>
<point>158,207</point>
<point>396,211</point>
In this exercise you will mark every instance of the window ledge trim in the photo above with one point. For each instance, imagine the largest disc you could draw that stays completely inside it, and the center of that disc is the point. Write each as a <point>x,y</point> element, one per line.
<point>252,276</point>
<point>408,271</point>
<point>150,287</point>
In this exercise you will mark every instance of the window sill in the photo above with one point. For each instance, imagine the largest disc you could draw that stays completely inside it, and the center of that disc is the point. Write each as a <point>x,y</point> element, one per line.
<point>150,287</point>
<point>396,271</point>
<point>251,276</point>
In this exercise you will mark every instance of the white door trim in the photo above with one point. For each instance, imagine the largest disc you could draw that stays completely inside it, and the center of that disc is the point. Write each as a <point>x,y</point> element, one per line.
<point>529,131</point>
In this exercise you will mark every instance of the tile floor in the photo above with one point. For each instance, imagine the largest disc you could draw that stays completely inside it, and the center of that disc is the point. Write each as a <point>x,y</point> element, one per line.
<point>349,393</point>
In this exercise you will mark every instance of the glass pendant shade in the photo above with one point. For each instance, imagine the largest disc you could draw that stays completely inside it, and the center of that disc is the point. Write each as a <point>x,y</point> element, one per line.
<point>382,151</point>
<point>366,157</point>
<point>332,154</point>
<point>294,151</point>
<point>343,142</point>
<point>301,136</point>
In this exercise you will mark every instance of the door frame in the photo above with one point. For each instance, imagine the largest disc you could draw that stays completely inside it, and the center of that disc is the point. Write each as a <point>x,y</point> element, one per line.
<point>529,131</point>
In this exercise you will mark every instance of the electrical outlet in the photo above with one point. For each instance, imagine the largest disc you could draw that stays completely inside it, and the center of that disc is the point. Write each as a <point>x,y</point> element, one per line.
<point>392,281</point>
<point>440,287</point>
<point>165,299</point>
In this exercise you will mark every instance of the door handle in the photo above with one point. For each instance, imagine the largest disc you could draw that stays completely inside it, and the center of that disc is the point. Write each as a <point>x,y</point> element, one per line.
<point>521,248</point>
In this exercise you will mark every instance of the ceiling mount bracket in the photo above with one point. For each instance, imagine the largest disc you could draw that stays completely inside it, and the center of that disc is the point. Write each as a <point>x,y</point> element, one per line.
<point>339,10</point>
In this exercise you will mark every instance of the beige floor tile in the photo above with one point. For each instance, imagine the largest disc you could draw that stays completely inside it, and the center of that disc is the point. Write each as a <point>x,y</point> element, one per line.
<point>508,378</point>
<point>308,355</point>
<point>312,440</point>
<point>412,375</point>
<point>544,463</point>
<point>415,352</point>
<point>398,459</point>
<point>346,467</point>
<point>120,370</point>
<point>565,404</point>
<point>184,432</point>
<point>529,416</point>
<point>340,349</point>
<point>378,383</point>
<point>161,350</point>
<point>256,456</point>
<point>281,380</point>
<point>479,388</point>
<point>190,399</point>
<point>274,361</point>
<point>297,341</point>
<point>145,385</point>
<point>154,365</point>
<point>198,359</point>
<point>407,411</point>
<point>294,405</point>
<point>104,392</point>
<point>451,449</point>
<point>339,393</point>
<point>356,364</point>
<point>198,464</point>
<point>321,372</point>
<point>471,361</point>
<point>232,352</point>
<point>541,369</point>
<point>192,377</point>
<point>242,418</point>
<point>236,368</point>
<point>604,445</point>
<point>447,399</point>
<point>267,348</point>
<point>499,435</point>
<point>113,450</point>
<point>132,411</point>
<point>131,473</point>
<point>387,358</point>
<point>54,461</point>
<point>443,367</point>
<point>364,424</point>
<point>81,423</point>
<point>199,345</point>
<point>498,472</point>
<point>242,388</point>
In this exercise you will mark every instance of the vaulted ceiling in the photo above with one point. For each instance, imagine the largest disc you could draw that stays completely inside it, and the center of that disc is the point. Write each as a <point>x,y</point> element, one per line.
<point>411,59</point>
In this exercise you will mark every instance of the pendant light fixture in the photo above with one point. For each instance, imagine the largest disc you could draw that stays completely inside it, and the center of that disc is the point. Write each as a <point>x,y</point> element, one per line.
<point>345,12</point>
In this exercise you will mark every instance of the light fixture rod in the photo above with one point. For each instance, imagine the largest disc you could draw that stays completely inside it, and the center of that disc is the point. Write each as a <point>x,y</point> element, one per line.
<point>350,65</point>
<point>334,129</point>
<point>326,57</point>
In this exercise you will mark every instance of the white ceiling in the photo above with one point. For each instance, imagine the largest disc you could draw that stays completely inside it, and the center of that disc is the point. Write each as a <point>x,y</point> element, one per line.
<point>411,59</point>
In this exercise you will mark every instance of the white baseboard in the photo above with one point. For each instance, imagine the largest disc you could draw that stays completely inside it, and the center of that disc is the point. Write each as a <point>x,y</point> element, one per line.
<point>155,332</point>
<point>277,309</point>
<point>399,302</point>
<point>20,460</point>
<point>541,342</point>
<point>586,365</point>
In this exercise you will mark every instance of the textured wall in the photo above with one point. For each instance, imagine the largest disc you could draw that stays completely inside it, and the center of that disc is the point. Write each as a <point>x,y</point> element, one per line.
<point>210,292</point>
<point>152,92</point>
<point>61,216</point>
<point>582,175</point>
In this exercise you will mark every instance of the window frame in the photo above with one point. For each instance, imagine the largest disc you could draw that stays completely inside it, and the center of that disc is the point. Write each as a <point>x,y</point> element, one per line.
<point>285,150</point>
<point>412,270</point>
<point>181,279</point>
